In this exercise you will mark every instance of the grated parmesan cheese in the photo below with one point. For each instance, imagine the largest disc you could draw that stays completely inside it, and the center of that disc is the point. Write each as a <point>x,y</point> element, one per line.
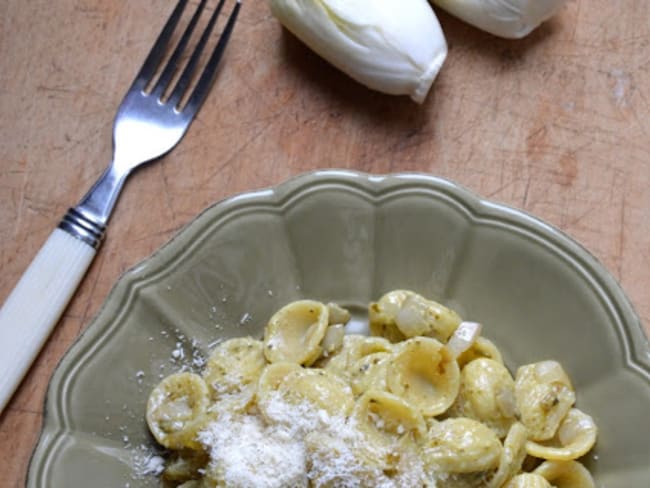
<point>248,453</point>
<point>146,463</point>
<point>300,443</point>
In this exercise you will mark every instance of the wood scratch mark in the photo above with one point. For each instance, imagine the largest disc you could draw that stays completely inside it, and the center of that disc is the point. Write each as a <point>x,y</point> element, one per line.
<point>501,188</point>
<point>526,192</point>
<point>536,142</point>
<point>24,410</point>
<point>577,220</point>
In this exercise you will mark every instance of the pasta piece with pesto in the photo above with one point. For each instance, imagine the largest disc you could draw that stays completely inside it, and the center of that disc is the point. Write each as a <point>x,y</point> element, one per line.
<point>528,480</point>
<point>544,396</point>
<point>387,420</point>
<point>271,378</point>
<point>574,438</point>
<point>401,314</point>
<point>320,390</point>
<point>354,348</point>
<point>512,456</point>
<point>424,374</point>
<point>421,317</point>
<point>382,313</point>
<point>461,446</point>
<point>232,371</point>
<point>176,410</point>
<point>369,373</point>
<point>294,333</point>
<point>565,474</point>
<point>482,348</point>
<point>486,394</point>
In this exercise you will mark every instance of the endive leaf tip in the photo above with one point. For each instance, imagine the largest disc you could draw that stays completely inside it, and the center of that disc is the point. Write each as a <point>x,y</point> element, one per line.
<point>428,77</point>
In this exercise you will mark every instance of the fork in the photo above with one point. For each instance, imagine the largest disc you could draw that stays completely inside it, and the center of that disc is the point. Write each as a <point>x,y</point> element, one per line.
<point>148,124</point>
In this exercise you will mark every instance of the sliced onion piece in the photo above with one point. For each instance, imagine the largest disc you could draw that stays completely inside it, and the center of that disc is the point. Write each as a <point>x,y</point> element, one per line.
<point>337,314</point>
<point>333,340</point>
<point>463,338</point>
<point>506,403</point>
<point>551,372</point>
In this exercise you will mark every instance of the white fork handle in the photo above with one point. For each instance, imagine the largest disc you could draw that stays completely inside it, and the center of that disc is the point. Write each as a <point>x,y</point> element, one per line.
<point>36,303</point>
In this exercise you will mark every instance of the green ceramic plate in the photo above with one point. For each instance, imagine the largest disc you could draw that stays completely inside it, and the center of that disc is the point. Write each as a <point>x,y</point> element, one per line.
<point>346,237</point>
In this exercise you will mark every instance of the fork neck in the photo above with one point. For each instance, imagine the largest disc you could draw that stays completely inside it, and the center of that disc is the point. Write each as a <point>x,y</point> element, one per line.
<point>87,221</point>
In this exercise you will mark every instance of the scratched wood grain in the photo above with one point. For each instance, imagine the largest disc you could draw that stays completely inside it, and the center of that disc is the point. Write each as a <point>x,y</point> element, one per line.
<point>557,124</point>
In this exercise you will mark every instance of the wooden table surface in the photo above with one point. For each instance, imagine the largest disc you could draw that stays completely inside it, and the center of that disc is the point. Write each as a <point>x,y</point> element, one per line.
<point>557,124</point>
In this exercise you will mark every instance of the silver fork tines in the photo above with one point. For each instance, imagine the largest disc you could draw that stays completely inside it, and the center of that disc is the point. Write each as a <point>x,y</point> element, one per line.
<point>147,125</point>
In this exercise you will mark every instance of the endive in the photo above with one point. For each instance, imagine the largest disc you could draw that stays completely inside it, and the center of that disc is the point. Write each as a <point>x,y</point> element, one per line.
<point>390,46</point>
<point>504,18</point>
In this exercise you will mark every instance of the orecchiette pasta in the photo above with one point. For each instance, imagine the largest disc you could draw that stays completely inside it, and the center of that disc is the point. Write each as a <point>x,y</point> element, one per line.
<point>425,401</point>
<point>565,474</point>
<point>389,417</point>
<point>512,455</point>
<point>369,373</point>
<point>574,438</point>
<point>544,396</point>
<point>418,316</point>
<point>482,348</point>
<point>528,480</point>
<point>402,314</point>
<point>461,445</point>
<point>270,380</point>
<point>322,390</point>
<point>324,450</point>
<point>295,332</point>
<point>354,348</point>
<point>272,376</point>
<point>232,370</point>
<point>424,373</point>
<point>381,315</point>
<point>487,395</point>
<point>176,410</point>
